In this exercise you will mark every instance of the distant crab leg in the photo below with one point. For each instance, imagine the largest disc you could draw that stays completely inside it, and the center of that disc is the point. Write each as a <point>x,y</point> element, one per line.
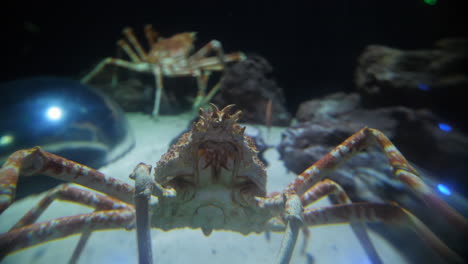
<point>328,187</point>
<point>138,67</point>
<point>215,46</point>
<point>158,91</point>
<point>62,227</point>
<point>36,161</point>
<point>151,35</point>
<point>378,212</point>
<point>129,51</point>
<point>402,171</point>
<point>212,63</point>
<point>128,32</point>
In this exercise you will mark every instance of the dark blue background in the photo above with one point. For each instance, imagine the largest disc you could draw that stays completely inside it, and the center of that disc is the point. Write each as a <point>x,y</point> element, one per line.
<point>312,47</point>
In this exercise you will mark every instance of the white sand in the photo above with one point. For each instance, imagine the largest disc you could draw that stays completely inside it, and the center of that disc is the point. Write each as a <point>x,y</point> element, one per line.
<point>329,244</point>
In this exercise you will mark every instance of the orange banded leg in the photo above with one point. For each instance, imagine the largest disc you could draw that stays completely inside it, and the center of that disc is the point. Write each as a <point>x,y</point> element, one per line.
<point>294,222</point>
<point>66,192</point>
<point>36,161</point>
<point>402,171</point>
<point>378,212</point>
<point>328,187</point>
<point>34,234</point>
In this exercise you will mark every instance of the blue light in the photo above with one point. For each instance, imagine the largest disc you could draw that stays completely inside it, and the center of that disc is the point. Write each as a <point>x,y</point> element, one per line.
<point>444,189</point>
<point>54,113</point>
<point>445,127</point>
<point>423,87</point>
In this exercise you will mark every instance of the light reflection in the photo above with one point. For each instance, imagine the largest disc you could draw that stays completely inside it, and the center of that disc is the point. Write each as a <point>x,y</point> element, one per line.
<point>6,140</point>
<point>445,127</point>
<point>444,189</point>
<point>423,87</point>
<point>430,2</point>
<point>54,113</point>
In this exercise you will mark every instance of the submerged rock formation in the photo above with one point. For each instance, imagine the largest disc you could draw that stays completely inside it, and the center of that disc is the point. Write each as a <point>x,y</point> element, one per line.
<point>434,78</point>
<point>247,85</point>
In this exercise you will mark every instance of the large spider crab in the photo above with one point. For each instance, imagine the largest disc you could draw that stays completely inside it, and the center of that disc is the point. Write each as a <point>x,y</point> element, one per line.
<point>210,179</point>
<point>171,57</point>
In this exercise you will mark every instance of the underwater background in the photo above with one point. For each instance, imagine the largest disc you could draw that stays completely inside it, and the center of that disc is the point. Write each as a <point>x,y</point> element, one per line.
<point>329,68</point>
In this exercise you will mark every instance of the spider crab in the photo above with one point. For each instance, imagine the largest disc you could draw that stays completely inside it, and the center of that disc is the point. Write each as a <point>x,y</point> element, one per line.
<point>171,57</point>
<point>210,179</point>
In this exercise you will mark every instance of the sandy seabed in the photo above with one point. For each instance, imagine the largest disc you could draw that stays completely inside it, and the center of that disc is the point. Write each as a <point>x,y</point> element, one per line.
<point>327,244</point>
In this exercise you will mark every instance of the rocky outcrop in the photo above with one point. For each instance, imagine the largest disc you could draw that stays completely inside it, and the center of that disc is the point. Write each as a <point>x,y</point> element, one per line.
<point>248,85</point>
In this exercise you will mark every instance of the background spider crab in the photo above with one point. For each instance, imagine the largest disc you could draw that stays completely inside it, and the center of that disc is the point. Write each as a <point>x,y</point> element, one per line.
<point>171,57</point>
<point>212,180</point>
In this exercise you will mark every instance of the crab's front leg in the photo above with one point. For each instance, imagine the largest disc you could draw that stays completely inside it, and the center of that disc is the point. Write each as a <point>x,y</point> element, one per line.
<point>293,219</point>
<point>145,188</point>
<point>109,211</point>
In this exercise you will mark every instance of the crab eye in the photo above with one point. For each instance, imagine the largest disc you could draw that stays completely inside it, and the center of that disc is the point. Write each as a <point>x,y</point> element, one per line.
<point>185,188</point>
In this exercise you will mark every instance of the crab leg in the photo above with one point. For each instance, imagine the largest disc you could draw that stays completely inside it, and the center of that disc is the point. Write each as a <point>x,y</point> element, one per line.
<point>402,170</point>
<point>215,46</point>
<point>68,193</point>
<point>65,192</point>
<point>157,72</point>
<point>36,161</point>
<point>377,212</point>
<point>151,35</point>
<point>138,67</point>
<point>129,51</point>
<point>293,225</point>
<point>62,227</point>
<point>128,32</point>
<point>212,63</point>
<point>143,189</point>
<point>328,187</point>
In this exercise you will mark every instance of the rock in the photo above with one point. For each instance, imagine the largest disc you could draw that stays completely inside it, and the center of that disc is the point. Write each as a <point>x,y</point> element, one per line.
<point>328,107</point>
<point>416,133</point>
<point>134,92</point>
<point>433,78</point>
<point>248,85</point>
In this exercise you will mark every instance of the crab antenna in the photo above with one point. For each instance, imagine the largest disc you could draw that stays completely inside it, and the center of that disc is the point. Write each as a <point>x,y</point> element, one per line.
<point>227,108</point>
<point>214,107</point>
<point>237,115</point>
<point>201,112</point>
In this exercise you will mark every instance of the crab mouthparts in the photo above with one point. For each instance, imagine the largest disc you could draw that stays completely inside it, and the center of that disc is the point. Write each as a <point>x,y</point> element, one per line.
<point>208,217</point>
